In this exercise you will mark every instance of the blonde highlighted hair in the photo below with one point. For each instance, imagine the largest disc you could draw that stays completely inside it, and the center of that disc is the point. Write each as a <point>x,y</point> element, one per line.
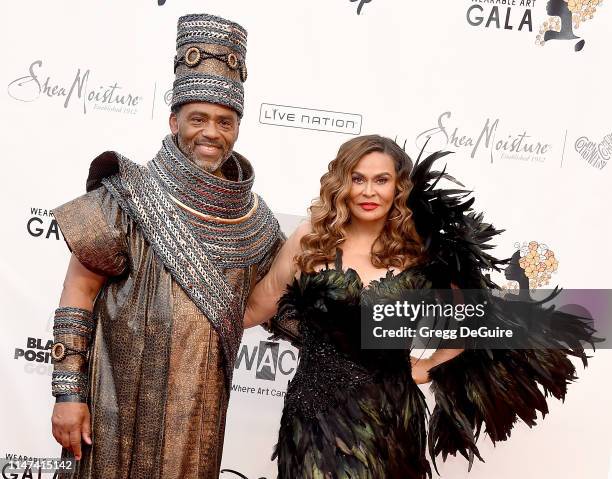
<point>398,245</point>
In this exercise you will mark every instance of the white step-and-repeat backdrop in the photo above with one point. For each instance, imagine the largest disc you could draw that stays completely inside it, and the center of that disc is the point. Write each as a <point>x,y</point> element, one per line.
<point>519,89</point>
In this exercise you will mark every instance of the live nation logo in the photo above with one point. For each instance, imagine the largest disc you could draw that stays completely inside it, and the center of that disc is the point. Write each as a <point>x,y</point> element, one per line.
<point>310,119</point>
<point>73,89</point>
<point>492,139</point>
<point>594,153</point>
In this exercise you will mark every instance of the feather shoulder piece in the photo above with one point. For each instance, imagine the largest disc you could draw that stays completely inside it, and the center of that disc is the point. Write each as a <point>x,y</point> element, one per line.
<point>486,389</point>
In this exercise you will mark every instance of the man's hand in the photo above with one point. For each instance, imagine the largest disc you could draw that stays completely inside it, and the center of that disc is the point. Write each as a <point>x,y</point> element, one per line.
<point>71,421</point>
<point>420,369</point>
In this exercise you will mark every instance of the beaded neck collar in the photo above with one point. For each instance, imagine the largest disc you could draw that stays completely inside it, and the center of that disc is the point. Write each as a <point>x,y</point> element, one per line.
<point>201,191</point>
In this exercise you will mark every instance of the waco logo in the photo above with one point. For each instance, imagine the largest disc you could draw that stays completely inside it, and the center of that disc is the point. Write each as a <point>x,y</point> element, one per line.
<point>268,359</point>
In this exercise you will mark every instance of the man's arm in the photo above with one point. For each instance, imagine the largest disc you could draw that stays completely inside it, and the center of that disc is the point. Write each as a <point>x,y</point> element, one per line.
<point>81,286</point>
<point>71,418</point>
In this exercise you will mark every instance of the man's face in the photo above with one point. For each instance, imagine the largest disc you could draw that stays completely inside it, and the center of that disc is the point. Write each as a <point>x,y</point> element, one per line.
<point>206,133</point>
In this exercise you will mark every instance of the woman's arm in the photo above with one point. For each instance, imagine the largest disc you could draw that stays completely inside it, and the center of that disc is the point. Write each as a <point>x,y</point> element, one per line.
<point>263,300</point>
<point>421,367</point>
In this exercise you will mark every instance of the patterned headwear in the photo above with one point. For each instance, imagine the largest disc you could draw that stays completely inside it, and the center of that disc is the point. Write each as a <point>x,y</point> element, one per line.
<point>210,61</point>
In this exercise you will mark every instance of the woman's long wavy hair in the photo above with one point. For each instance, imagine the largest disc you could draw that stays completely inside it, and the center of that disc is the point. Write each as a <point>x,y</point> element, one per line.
<point>398,245</point>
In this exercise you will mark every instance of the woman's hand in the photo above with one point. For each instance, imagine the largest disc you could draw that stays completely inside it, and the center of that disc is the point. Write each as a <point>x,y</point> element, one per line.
<point>420,369</point>
<point>421,366</point>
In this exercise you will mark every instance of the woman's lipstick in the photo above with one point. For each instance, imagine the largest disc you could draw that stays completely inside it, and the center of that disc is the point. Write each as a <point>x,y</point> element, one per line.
<point>368,206</point>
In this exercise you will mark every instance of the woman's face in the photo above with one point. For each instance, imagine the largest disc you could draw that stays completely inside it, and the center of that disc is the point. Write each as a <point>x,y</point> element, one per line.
<point>373,187</point>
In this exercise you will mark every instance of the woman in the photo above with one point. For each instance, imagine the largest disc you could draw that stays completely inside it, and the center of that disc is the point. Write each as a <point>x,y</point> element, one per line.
<point>378,229</point>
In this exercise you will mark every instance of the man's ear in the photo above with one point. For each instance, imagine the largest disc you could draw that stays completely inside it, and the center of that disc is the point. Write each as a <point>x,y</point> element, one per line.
<point>173,122</point>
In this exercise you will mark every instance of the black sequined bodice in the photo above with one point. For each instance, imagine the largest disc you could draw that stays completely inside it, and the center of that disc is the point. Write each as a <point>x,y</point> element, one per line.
<point>332,364</point>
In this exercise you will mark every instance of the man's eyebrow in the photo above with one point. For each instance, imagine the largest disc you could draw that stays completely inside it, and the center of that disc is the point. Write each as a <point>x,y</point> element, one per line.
<point>220,116</point>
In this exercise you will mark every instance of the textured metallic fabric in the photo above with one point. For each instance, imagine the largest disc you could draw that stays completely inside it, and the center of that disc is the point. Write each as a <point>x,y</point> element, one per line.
<point>210,89</point>
<point>210,62</point>
<point>128,364</point>
<point>230,244</point>
<point>200,190</point>
<point>96,244</point>
<point>197,398</point>
<point>210,29</point>
<point>193,255</point>
<point>158,394</point>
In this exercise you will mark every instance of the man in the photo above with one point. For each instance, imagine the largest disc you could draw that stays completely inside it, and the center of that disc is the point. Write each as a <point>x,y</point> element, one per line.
<point>163,260</point>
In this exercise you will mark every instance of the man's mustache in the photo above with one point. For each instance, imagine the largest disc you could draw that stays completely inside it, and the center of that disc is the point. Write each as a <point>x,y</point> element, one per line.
<point>209,143</point>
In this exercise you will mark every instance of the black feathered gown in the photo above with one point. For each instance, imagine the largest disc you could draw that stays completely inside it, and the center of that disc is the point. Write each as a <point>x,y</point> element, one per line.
<point>357,413</point>
<point>347,410</point>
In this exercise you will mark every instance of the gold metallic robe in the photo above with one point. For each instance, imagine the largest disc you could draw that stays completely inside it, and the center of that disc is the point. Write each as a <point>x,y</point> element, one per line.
<point>158,397</point>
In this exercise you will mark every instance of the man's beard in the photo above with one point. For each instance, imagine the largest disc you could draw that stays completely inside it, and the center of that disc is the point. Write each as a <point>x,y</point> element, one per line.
<point>207,166</point>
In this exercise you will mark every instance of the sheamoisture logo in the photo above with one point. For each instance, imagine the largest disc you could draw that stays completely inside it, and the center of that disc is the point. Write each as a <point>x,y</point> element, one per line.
<point>77,90</point>
<point>499,145</point>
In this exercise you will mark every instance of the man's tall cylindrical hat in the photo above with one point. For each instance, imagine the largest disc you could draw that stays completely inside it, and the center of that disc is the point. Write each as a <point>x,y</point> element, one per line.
<point>210,62</point>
